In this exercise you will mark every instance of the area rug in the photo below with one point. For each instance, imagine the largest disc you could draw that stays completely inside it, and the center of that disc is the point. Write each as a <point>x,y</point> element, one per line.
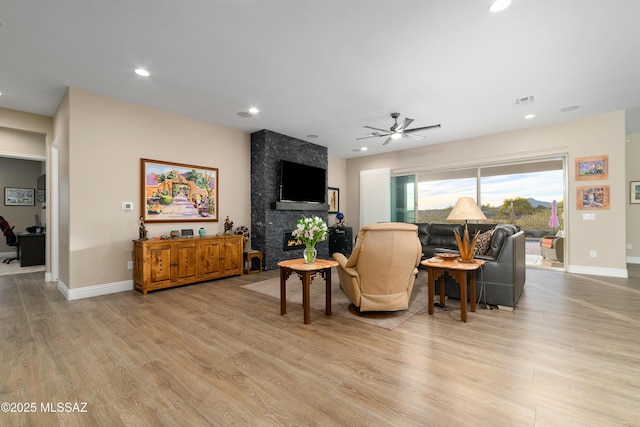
<point>340,304</point>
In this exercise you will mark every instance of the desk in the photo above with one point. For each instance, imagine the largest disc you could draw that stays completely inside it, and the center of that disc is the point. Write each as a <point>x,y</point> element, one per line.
<point>437,269</point>
<point>31,249</point>
<point>306,272</point>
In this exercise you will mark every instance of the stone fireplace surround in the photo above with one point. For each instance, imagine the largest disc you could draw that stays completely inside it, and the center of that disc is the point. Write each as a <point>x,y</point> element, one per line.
<point>269,219</point>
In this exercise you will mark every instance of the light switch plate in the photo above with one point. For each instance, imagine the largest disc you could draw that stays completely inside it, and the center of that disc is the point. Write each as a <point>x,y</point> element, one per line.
<point>589,216</point>
<point>127,206</point>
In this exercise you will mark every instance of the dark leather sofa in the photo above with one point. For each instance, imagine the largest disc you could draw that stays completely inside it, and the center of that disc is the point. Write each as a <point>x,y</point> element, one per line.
<point>503,274</point>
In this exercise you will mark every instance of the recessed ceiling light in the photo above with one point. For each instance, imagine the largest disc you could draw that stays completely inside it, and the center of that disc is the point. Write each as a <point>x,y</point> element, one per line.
<point>529,116</point>
<point>142,72</point>
<point>499,5</point>
<point>571,108</point>
<point>254,110</point>
<point>312,136</point>
<point>360,149</point>
<point>245,114</point>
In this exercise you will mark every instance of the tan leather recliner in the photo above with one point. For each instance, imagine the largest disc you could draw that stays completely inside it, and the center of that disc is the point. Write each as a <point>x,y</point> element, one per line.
<point>379,274</point>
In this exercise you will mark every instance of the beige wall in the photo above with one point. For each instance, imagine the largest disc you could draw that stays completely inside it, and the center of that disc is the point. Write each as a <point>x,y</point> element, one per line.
<point>338,179</point>
<point>591,136</point>
<point>633,210</point>
<point>106,140</point>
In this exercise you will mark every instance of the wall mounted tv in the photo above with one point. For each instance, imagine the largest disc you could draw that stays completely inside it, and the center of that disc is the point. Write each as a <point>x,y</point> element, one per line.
<point>302,183</point>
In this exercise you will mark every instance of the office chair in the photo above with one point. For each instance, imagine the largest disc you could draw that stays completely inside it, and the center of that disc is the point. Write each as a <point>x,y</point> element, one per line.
<point>11,239</point>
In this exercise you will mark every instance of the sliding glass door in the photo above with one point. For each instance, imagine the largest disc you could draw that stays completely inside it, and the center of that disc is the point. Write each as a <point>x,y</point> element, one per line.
<point>529,194</point>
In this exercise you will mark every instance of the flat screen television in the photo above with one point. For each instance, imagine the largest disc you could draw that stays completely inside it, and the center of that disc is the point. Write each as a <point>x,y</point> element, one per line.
<point>302,183</point>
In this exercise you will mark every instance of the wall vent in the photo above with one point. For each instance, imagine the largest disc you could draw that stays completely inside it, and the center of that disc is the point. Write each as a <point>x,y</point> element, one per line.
<point>524,100</point>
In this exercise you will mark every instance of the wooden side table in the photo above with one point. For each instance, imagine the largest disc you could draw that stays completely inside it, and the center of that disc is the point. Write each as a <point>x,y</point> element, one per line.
<point>438,268</point>
<point>249,256</point>
<point>306,273</point>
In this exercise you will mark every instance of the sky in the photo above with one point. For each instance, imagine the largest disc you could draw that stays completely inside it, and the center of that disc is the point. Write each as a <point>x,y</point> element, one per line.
<point>543,186</point>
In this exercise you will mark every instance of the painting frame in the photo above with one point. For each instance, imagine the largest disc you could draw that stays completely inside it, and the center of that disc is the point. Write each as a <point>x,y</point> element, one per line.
<point>16,196</point>
<point>594,167</point>
<point>178,192</point>
<point>333,199</point>
<point>634,192</point>
<point>593,197</point>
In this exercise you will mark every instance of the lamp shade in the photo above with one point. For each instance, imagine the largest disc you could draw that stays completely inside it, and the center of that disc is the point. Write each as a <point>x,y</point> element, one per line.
<point>466,209</point>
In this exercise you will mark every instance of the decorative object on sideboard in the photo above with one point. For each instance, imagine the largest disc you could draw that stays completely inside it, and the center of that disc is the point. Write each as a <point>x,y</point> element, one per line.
<point>176,192</point>
<point>466,209</point>
<point>340,220</point>
<point>228,225</point>
<point>202,232</point>
<point>142,230</point>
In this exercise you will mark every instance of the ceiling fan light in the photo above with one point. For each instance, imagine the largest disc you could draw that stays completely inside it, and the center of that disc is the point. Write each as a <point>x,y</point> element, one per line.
<point>396,135</point>
<point>499,5</point>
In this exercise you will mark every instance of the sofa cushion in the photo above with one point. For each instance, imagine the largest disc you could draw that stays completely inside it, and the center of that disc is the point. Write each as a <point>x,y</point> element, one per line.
<point>483,242</point>
<point>500,234</point>
<point>441,235</point>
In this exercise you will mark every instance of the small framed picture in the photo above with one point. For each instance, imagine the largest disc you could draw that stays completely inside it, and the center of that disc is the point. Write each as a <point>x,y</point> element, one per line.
<point>588,168</point>
<point>634,192</point>
<point>19,196</point>
<point>334,200</point>
<point>593,197</point>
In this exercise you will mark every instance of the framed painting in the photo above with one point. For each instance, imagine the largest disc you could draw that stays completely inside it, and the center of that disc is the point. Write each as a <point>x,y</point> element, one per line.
<point>634,192</point>
<point>334,200</point>
<point>176,192</point>
<point>19,196</point>
<point>596,167</point>
<point>593,197</point>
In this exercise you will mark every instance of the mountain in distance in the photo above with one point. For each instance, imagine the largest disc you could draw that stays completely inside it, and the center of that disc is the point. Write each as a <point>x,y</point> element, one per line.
<point>535,203</point>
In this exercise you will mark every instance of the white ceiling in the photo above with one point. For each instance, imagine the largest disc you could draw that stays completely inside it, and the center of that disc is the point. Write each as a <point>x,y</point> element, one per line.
<point>329,67</point>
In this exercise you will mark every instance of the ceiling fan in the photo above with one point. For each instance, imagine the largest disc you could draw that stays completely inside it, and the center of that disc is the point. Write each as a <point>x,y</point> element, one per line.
<point>398,130</point>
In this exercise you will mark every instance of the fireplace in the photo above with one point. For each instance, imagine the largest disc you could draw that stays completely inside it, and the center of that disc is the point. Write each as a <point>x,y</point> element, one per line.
<point>290,243</point>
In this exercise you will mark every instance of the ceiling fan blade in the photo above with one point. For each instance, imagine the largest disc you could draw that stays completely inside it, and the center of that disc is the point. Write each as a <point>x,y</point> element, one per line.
<point>378,129</point>
<point>371,135</point>
<point>422,128</point>
<point>403,124</point>
<point>387,141</point>
<point>415,137</point>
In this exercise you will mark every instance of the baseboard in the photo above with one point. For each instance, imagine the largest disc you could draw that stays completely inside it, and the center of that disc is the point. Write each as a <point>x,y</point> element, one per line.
<point>597,271</point>
<point>633,260</point>
<point>48,277</point>
<point>7,254</point>
<point>94,291</point>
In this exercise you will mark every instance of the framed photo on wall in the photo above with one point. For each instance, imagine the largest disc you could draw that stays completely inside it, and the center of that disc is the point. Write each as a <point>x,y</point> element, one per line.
<point>333,199</point>
<point>596,167</point>
<point>177,192</point>
<point>634,192</point>
<point>593,197</point>
<point>19,196</point>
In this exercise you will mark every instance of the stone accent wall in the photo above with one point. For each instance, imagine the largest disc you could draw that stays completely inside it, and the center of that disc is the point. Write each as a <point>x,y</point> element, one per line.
<point>267,223</point>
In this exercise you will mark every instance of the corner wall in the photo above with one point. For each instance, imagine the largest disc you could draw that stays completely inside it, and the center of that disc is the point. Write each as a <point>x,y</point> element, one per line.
<point>106,139</point>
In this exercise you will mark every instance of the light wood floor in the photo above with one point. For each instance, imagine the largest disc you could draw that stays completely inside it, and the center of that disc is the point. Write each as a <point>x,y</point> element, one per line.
<point>216,354</point>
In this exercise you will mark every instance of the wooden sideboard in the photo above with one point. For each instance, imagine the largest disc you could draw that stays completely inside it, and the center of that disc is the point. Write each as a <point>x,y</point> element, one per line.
<point>159,264</point>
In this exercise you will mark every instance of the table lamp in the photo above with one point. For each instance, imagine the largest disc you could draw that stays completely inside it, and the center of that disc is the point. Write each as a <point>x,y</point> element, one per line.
<point>466,209</point>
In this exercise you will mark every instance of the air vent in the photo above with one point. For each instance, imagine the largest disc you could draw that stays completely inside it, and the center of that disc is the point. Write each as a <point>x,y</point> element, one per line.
<point>524,100</point>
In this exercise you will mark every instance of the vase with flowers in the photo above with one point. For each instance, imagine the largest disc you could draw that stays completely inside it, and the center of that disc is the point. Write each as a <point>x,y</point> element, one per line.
<point>310,231</point>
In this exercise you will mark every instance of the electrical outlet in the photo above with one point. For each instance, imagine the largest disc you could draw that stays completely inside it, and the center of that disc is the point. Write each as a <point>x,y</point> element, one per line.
<point>129,265</point>
<point>592,254</point>
<point>629,246</point>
